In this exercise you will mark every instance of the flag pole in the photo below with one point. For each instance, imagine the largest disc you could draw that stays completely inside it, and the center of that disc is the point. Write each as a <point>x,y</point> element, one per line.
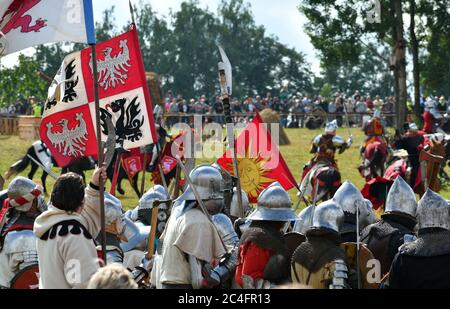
<point>132,12</point>
<point>99,149</point>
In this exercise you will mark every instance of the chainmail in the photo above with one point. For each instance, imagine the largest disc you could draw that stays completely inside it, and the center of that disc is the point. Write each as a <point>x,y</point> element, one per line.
<point>428,245</point>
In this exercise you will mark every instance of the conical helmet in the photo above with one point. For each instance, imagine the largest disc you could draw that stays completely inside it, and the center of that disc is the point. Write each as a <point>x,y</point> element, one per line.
<point>347,197</point>
<point>328,216</point>
<point>367,215</point>
<point>274,204</point>
<point>401,199</point>
<point>234,206</point>
<point>303,223</point>
<point>433,212</point>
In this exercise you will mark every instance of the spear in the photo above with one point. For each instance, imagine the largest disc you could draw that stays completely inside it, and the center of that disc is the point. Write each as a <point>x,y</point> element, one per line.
<point>226,86</point>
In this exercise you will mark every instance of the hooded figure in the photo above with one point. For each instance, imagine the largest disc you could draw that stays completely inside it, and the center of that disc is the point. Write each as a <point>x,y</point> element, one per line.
<point>66,232</point>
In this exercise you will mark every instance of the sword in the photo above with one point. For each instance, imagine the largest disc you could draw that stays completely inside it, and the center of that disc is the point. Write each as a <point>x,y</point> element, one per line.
<point>348,121</point>
<point>48,171</point>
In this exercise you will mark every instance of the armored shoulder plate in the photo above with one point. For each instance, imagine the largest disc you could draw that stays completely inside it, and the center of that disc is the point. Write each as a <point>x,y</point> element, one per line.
<point>338,141</point>
<point>19,242</point>
<point>316,140</point>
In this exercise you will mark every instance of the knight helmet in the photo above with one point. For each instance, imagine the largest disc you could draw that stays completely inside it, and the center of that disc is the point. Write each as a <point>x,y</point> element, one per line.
<point>401,199</point>
<point>328,216</point>
<point>331,127</point>
<point>143,211</point>
<point>347,197</point>
<point>433,212</point>
<point>413,127</point>
<point>234,207</point>
<point>274,204</point>
<point>209,184</point>
<point>367,215</point>
<point>22,192</point>
<point>303,223</point>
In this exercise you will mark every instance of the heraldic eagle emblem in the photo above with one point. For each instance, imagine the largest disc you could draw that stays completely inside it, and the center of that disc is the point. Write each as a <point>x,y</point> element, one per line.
<point>70,142</point>
<point>112,70</point>
<point>128,124</point>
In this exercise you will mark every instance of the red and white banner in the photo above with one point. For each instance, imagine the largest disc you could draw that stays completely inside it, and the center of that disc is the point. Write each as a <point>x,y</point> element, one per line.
<point>68,125</point>
<point>27,23</point>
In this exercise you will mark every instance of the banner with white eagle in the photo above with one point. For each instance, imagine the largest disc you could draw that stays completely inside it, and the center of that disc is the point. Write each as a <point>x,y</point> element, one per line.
<point>68,125</point>
<point>27,23</point>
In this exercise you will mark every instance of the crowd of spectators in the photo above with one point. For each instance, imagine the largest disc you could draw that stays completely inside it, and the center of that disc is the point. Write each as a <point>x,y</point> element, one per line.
<point>293,108</point>
<point>23,107</point>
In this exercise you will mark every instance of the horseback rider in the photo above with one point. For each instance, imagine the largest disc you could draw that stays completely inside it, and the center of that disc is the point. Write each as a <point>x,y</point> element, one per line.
<point>397,224</point>
<point>263,257</point>
<point>349,198</point>
<point>413,143</point>
<point>374,131</point>
<point>324,147</point>
<point>431,116</point>
<point>191,241</point>
<point>23,202</point>
<point>319,262</point>
<point>424,262</point>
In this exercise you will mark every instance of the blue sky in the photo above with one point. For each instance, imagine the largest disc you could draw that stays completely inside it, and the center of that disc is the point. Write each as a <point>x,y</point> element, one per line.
<point>281,18</point>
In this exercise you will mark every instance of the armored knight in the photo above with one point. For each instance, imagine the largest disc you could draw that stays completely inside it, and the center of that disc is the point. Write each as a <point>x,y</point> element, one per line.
<point>431,117</point>
<point>263,257</point>
<point>191,241</point>
<point>397,224</point>
<point>319,262</point>
<point>142,214</point>
<point>424,262</point>
<point>120,229</point>
<point>325,146</point>
<point>413,142</point>
<point>373,129</point>
<point>349,198</point>
<point>18,255</point>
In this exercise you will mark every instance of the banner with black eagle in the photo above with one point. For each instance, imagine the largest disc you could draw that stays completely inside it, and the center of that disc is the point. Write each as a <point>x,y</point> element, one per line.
<point>260,162</point>
<point>68,125</point>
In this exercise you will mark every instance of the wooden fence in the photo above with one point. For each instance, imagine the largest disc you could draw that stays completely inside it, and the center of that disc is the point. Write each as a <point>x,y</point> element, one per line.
<point>9,125</point>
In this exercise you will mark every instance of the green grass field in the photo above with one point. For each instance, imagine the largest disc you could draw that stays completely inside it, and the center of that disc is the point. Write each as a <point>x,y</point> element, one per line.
<point>296,155</point>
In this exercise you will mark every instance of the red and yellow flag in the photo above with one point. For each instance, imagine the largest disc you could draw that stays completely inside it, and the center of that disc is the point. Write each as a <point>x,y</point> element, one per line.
<point>260,162</point>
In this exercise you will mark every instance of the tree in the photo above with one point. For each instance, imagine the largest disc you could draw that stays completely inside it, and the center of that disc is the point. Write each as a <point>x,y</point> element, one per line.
<point>21,82</point>
<point>345,37</point>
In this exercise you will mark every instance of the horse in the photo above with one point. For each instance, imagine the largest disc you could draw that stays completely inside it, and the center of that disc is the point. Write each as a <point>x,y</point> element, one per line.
<point>374,159</point>
<point>40,153</point>
<point>327,178</point>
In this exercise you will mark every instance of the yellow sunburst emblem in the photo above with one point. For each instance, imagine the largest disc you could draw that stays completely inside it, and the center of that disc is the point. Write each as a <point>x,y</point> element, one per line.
<point>254,177</point>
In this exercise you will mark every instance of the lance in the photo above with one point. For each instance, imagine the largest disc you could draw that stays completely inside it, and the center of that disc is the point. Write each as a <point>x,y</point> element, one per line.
<point>226,86</point>
<point>145,151</point>
<point>348,122</point>
<point>99,149</point>
<point>45,169</point>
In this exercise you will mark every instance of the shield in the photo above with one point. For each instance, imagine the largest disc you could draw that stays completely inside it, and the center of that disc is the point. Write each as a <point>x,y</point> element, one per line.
<point>27,278</point>
<point>365,255</point>
<point>293,241</point>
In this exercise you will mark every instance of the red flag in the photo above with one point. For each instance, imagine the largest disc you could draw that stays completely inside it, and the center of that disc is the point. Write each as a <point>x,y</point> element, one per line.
<point>260,162</point>
<point>68,125</point>
<point>132,166</point>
